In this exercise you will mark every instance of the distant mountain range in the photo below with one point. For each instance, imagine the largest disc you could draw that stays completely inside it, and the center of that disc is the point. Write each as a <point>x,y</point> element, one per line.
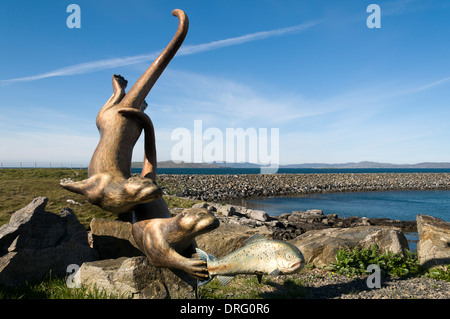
<point>364,164</point>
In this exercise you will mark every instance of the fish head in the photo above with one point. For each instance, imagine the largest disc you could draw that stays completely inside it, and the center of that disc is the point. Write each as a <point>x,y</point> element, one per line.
<point>290,259</point>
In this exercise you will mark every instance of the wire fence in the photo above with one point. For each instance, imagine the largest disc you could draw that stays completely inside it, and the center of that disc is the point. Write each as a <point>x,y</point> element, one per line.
<point>4,165</point>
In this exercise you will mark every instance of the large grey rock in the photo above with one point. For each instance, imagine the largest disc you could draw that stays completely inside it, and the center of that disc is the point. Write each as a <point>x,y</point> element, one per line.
<point>135,278</point>
<point>258,215</point>
<point>113,239</point>
<point>319,247</point>
<point>227,238</point>
<point>35,243</point>
<point>433,248</point>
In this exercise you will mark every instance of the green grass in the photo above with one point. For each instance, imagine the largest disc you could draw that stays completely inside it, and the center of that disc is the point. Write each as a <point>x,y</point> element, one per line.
<point>53,288</point>
<point>440,273</point>
<point>18,187</point>
<point>356,261</point>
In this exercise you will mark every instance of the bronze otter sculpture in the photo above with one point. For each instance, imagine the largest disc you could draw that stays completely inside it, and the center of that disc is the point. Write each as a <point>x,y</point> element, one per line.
<point>167,241</point>
<point>109,184</point>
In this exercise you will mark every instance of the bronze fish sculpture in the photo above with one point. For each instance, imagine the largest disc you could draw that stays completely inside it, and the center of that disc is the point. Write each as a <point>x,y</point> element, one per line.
<point>259,256</point>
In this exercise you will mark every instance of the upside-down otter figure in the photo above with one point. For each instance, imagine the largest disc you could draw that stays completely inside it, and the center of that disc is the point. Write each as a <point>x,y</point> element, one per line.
<point>167,241</point>
<point>110,184</point>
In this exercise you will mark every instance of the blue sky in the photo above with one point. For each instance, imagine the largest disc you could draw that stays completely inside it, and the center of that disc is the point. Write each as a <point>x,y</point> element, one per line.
<point>336,90</point>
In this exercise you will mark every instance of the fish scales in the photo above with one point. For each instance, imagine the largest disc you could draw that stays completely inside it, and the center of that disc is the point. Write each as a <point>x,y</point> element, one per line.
<point>258,256</point>
<point>246,260</point>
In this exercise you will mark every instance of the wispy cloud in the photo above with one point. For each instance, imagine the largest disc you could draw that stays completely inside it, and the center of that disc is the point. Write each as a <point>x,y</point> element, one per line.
<point>185,50</point>
<point>85,68</point>
<point>433,84</point>
<point>192,49</point>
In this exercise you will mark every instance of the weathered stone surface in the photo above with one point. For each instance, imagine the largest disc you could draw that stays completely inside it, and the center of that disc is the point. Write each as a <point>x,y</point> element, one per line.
<point>310,217</point>
<point>135,278</point>
<point>227,238</point>
<point>258,215</point>
<point>433,248</point>
<point>319,247</point>
<point>113,239</point>
<point>36,242</point>
<point>226,210</point>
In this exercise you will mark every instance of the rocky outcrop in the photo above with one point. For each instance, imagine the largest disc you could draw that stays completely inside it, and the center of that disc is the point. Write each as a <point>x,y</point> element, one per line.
<point>319,247</point>
<point>290,225</point>
<point>36,242</point>
<point>135,278</point>
<point>433,248</point>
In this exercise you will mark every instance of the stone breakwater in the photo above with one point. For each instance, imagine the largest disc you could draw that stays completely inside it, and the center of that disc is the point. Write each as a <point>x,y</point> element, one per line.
<point>219,188</point>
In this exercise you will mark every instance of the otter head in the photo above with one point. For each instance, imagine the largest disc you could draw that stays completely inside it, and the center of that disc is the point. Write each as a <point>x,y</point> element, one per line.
<point>197,221</point>
<point>142,190</point>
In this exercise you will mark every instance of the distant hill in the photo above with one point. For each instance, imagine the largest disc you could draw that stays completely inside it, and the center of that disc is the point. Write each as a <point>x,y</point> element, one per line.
<point>364,164</point>
<point>170,164</point>
<point>368,164</point>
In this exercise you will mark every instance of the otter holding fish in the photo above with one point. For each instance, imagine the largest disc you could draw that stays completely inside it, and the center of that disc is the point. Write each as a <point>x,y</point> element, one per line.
<point>166,241</point>
<point>259,256</point>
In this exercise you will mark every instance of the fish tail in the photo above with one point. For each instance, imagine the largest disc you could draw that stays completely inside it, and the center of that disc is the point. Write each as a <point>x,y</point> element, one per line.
<point>223,279</point>
<point>206,257</point>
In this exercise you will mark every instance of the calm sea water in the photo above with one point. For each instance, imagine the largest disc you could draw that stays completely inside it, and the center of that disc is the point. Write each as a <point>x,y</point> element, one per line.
<point>401,205</point>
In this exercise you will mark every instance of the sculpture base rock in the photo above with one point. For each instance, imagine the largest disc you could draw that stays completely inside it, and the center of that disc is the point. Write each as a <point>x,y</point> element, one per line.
<point>135,278</point>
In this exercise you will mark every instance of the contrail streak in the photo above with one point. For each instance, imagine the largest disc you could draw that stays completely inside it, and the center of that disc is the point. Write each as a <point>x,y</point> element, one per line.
<point>185,50</point>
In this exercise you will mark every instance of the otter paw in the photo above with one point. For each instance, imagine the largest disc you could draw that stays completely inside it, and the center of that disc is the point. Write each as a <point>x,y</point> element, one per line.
<point>121,80</point>
<point>197,268</point>
<point>66,181</point>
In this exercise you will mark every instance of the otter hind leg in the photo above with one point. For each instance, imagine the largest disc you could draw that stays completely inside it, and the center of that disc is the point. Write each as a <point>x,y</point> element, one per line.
<point>92,187</point>
<point>150,162</point>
